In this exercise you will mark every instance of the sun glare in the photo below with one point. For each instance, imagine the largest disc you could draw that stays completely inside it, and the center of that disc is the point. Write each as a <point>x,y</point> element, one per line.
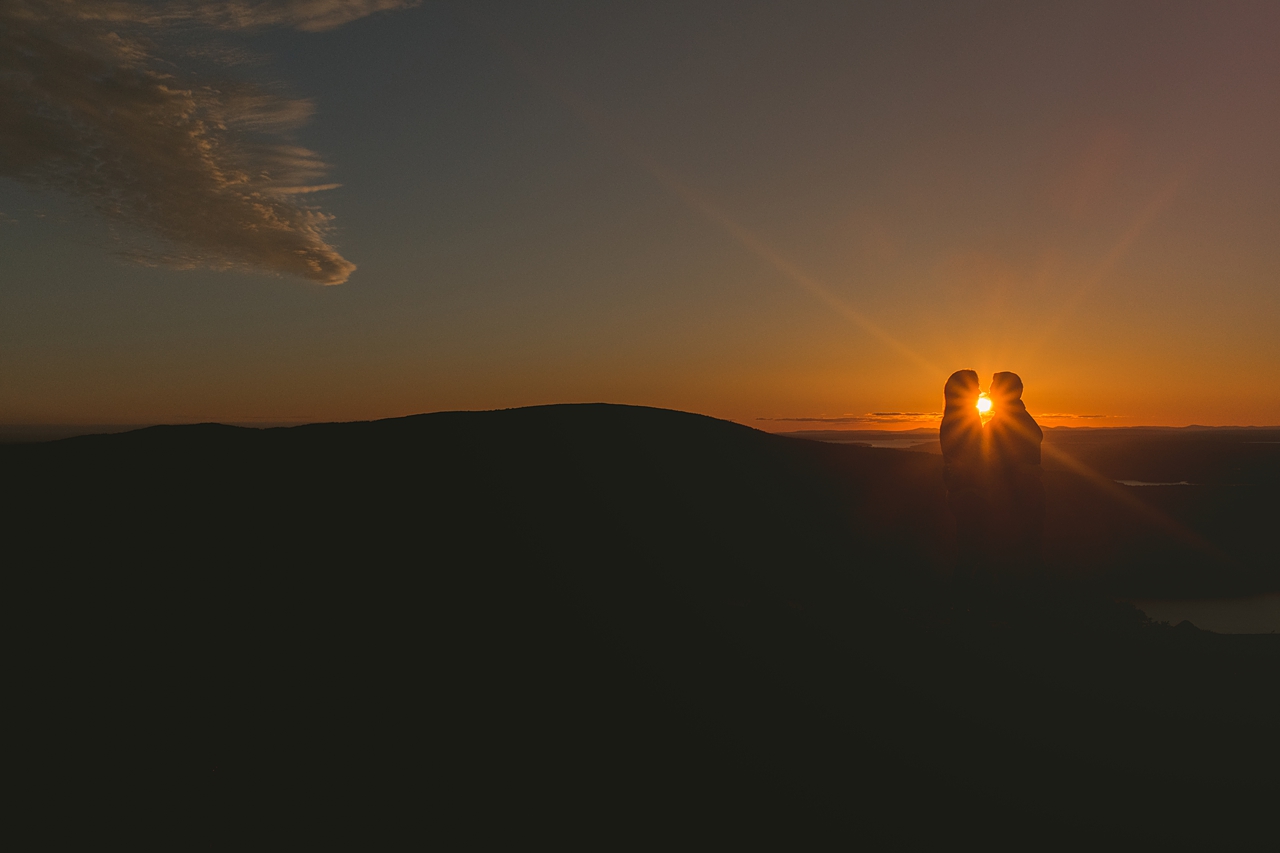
<point>984,404</point>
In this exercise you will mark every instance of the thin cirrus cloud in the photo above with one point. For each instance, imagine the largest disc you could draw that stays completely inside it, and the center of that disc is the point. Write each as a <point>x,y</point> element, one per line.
<point>869,418</point>
<point>200,170</point>
<point>911,417</point>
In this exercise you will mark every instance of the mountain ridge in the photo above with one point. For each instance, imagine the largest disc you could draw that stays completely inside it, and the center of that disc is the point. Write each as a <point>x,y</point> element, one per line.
<point>603,616</point>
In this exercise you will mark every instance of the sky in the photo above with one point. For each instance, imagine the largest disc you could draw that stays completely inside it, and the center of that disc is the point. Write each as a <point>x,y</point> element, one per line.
<point>792,215</point>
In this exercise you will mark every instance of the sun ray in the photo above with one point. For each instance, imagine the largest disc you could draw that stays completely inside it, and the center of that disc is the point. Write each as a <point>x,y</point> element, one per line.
<point>1149,213</point>
<point>1119,494</point>
<point>596,121</point>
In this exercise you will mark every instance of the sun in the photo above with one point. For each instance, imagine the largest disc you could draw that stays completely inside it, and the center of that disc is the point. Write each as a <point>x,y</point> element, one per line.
<point>984,404</point>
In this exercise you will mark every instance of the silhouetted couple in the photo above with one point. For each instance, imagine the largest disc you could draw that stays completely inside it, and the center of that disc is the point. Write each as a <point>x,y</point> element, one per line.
<point>993,479</point>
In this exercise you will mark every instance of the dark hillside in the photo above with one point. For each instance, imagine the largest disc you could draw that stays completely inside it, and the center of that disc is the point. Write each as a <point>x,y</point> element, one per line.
<point>590,623</point>
<point>1207,532</point>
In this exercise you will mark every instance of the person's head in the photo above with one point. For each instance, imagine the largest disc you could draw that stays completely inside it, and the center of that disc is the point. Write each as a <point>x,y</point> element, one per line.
<point>1005,387</point>
<point>962,388</point>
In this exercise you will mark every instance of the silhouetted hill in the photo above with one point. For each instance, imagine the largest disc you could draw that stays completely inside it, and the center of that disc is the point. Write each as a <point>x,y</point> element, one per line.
<point>596,624</point>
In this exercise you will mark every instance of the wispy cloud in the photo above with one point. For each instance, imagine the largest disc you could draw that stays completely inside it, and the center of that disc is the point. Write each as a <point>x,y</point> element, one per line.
<point>306,15</point>
<point>91,104</point>
<point>910,418</point>
<point>868,418</point>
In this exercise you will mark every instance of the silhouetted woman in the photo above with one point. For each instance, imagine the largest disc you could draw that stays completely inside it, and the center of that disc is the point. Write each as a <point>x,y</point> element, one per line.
<point>961,436</point>
<point>1015,489</point>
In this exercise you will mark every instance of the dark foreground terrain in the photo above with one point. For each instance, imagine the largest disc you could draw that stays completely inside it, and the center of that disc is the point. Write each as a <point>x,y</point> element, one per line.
<point>1197,518</point>
<point>604,626</point>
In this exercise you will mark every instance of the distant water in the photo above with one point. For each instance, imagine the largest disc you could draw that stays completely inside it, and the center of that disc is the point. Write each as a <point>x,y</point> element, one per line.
<point>1144,483</point>
<point>1257,615</point>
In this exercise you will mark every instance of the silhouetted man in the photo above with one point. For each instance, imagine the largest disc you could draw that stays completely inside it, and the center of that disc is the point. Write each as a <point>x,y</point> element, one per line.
<point>961,436</point>
<point>1014,486</point>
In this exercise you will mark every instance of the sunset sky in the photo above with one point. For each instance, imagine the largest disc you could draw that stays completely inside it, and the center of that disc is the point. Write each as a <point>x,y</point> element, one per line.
<point>792,215</point>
